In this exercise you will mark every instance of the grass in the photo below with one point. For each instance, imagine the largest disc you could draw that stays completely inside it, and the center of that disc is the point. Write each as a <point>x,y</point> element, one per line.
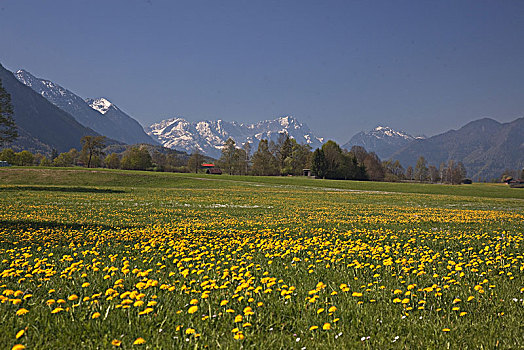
<point>103,257</point>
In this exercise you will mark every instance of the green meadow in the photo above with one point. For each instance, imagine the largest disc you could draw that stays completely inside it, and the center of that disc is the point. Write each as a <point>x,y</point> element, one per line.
<point>103,259</point>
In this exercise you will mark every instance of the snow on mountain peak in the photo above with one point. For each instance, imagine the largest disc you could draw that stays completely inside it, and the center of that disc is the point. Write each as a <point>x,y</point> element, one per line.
<point>209,136</point>
<point>101,104</point>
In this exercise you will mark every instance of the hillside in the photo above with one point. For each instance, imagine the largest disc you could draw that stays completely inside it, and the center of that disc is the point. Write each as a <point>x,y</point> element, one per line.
<point>42,125</point>
<point>110,122</point>
<point>485,146</point>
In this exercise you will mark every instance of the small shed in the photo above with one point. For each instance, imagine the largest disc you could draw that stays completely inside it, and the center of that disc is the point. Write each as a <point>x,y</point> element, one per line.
<point>4,163</point>
<point>214,171</point>
<point>307,172</point>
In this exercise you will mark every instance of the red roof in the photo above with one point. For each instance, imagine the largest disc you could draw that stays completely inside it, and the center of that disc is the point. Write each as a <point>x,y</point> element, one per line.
<point>208,164</point>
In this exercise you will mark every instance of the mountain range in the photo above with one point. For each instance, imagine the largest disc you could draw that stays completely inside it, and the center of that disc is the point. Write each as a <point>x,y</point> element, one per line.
<point>485,147</point>
<point>49,116</point>
<point>98,114</point>
<point>382,140</point>
<point>41,125</point>
<point>208,136</point>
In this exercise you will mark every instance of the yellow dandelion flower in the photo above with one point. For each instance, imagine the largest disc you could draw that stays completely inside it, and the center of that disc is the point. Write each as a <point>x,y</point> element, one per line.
<point>18,347</point>
<point>146,311</point>
<point>20,333</point>
<point>446,330</point>
<point>21,312</point>
<point>116,342</point>
<point>238,318</point>
<point>192,309</point>
<point>321,310</point>
<point>139,341</point>
<point>356,294</point>
<point>57,310</point>
<point>86,284</point>
<point>326,326</point>
<point>332,309</point>
<point>239,336</point>
<point>190,331</point>
<point>312,328</point>
<point>193,302</point>
<point>72,297</point>
<point>96,315</point>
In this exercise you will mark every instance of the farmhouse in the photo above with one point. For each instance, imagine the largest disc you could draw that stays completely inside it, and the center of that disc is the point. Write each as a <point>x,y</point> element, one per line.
<point>211,169</point>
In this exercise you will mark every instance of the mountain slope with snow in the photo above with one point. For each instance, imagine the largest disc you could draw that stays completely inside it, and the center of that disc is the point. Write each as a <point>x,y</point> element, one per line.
<point>382,140</point>
<point>115,124</point>
<point>209,136</point>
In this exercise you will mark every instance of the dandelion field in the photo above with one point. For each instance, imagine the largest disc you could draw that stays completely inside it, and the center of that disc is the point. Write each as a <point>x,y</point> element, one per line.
<point>110,259</point>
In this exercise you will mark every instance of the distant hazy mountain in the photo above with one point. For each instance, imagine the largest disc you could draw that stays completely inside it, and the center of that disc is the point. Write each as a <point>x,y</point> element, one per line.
<point>382,140</point>
<point>99,115</point>
<point>41,125</point>
<point>209,136</point>
<point>485,146</point>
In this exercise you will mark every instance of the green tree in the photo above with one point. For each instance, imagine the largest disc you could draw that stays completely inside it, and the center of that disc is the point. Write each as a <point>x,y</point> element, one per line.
<point>112,161</point>
<point>8,132</point>
<point>136,159</point>
<point>24,158</point>
<point>318,164</point>
<point>64,160</point>
<point>45,162</point>
<point>229,157</point>
<point>333,157</point>
<point>300,157</point>
<point>8,155</point>
<point>264,163</point>
<point>284,150</point>
<point>92,146</point>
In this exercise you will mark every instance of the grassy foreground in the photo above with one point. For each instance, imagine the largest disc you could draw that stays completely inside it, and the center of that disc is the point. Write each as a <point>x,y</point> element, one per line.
<point>116,259</point>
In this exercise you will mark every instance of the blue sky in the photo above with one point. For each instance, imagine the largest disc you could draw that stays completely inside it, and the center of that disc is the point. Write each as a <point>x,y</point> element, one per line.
<point>339,66</point>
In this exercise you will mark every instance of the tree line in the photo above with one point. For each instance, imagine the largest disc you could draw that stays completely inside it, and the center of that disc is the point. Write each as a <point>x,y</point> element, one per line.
<point>287,157</point>
<point>91,155</point>
<point>281,158</point>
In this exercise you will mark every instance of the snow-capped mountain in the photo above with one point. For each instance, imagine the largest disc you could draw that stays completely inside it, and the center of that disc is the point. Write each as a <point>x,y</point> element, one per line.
<point>100,104</point>
<point>103,117</point>
<point>382,140</point>
<point>209,136</point>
